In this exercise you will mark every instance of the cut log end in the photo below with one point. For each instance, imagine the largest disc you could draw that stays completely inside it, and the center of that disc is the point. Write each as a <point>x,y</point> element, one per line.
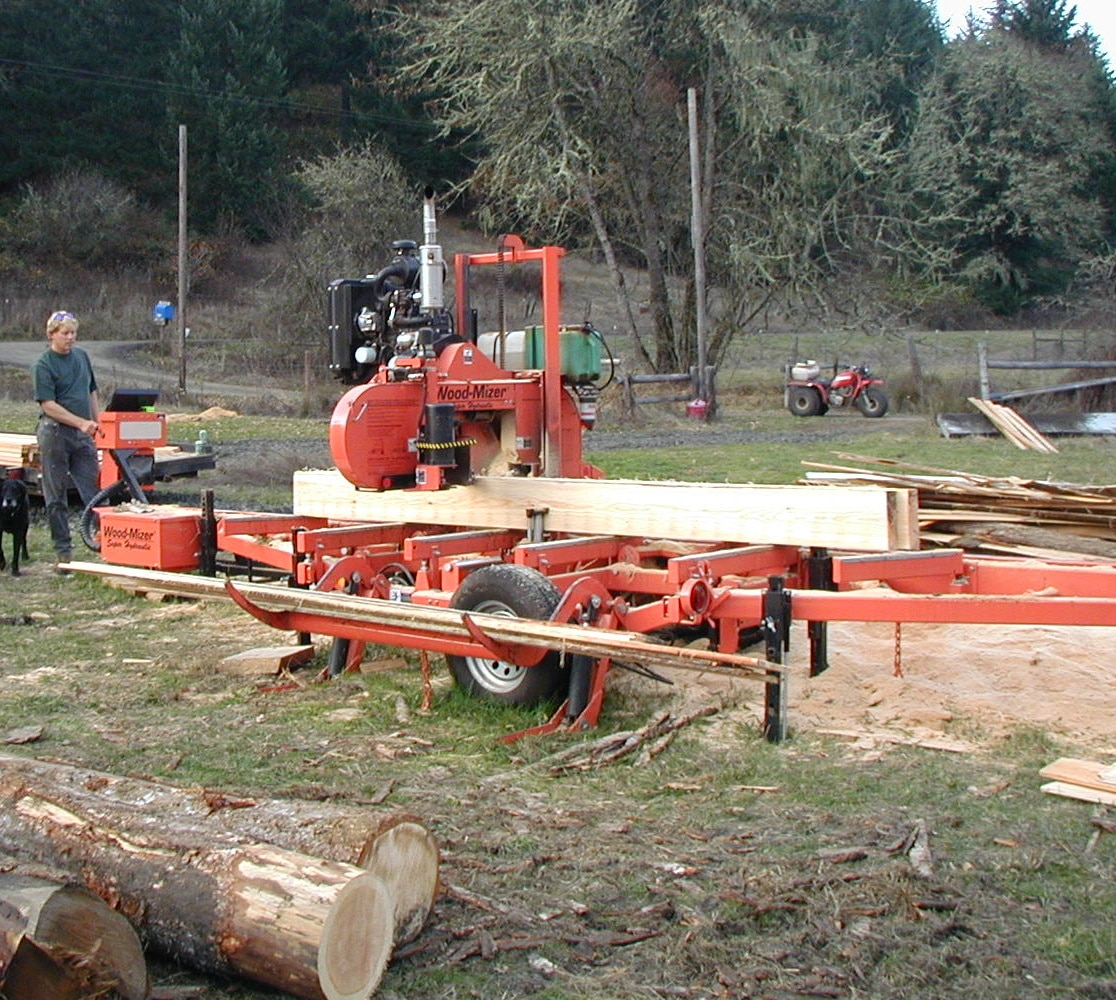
<point>356,940</point>
<point>73,944</point>
<point>404,855</point>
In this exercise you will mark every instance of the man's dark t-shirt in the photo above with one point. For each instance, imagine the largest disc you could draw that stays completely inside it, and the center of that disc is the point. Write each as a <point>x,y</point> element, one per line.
<point>67,379</point>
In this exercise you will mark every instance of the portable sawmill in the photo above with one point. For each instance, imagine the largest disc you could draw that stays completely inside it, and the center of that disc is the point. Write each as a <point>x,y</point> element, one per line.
<point>462,519</point>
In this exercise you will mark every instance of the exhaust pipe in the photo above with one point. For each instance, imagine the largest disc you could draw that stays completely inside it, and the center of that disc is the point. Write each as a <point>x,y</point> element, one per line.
<point>433,265</point>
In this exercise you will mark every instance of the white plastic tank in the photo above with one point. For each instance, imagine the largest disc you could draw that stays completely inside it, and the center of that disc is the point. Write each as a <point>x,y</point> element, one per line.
<point>804,371</point>
<point>505,349</point>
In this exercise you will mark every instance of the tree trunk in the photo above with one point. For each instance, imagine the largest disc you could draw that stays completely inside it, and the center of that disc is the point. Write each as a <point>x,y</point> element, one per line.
<point>310,927</point>
<point>407,861</point>
<point>59,942</point>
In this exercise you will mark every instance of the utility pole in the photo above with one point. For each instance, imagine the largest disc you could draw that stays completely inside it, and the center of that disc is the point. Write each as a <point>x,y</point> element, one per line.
<point>697,237</point>
<point>183,273</point>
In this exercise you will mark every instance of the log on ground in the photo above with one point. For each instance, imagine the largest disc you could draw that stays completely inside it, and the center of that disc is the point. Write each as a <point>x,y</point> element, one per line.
<point>60,941</point>
<point>407,860</point>
<point>278,917</point>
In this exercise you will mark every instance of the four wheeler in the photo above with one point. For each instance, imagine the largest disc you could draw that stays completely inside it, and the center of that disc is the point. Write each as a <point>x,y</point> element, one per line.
<point>808,395</point>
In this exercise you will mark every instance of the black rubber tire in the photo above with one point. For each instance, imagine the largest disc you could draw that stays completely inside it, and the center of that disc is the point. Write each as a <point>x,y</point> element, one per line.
<point>872,402</point>
<point>803,401</point>
<point>513,592</point>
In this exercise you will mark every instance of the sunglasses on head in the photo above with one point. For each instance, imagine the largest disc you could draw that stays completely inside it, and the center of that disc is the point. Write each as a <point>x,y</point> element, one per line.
<point>61,317</point>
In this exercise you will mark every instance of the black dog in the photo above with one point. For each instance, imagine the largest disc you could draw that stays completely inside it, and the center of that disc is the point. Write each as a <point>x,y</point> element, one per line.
<point>14,520</point>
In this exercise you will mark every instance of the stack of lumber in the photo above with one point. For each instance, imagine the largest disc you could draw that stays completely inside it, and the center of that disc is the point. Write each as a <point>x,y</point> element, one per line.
<point>1013,426</point>
<point>17,450</point>
<point>1081,779</point>
<point>1004,515</point>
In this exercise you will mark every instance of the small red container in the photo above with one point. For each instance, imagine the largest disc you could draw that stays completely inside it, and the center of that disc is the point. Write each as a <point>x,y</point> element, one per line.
<point>697,409</point>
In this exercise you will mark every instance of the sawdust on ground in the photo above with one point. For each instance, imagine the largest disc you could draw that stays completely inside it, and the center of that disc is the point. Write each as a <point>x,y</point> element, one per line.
<point>954,686</point>
<point>973,681</point>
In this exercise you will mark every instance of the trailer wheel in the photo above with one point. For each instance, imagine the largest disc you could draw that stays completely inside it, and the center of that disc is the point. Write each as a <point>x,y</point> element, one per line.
<point>511,592</point>
<point>872,402</point>
<point>804,401</point>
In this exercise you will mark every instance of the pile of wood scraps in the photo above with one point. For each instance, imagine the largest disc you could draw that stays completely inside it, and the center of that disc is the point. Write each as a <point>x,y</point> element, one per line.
<point>1017,429</point>
<point>1004,515</point>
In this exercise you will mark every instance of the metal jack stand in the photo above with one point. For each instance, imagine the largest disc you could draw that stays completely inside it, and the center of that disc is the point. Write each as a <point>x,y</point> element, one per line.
<point>776,633</point>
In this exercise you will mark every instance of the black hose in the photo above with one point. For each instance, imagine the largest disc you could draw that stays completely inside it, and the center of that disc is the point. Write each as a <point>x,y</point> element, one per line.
<point>108,497</point>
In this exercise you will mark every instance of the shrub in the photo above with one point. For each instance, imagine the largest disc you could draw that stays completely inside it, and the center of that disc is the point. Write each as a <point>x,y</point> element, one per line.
<point>83,219</point>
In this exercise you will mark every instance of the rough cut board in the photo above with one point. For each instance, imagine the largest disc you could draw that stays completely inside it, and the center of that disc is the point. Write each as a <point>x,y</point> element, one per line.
<point>1086,773</point>
<point>1083,794</point>
<point>865,519</point>
<point>269,660</point>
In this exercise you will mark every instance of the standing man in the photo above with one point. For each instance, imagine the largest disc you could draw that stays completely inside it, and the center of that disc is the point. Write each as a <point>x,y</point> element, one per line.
<point>66,392</point>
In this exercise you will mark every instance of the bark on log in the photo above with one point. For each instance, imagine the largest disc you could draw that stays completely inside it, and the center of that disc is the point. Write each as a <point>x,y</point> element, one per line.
<point>59,941</point>
<point>407,861</point>
<point>307,926</point>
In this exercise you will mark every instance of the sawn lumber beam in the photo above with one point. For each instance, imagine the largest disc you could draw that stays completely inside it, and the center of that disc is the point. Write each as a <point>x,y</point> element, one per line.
<point>586,641</point>
<point>868,519</point>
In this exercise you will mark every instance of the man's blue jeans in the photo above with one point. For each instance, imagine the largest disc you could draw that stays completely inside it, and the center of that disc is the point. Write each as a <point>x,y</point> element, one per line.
<point>66,456</point>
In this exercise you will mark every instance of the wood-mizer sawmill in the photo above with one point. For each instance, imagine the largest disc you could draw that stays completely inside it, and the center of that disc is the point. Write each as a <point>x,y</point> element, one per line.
<point>462,519</point>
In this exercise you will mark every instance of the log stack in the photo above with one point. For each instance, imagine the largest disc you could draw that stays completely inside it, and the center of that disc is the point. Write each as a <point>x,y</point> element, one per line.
<point>186,869</point>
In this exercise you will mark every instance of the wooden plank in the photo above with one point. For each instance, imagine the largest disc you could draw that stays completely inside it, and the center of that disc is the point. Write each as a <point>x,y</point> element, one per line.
<point>268,660</point>
<point>867,519</point>
<point>17,450</point>
<point>962,424</point>
<point>595,642</point>
<point>1079,792</point>
<point>1086,773</point>
<point>1013,426</point>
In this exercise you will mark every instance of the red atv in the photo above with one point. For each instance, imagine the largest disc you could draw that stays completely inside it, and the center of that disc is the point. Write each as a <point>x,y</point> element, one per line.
<point>809,395</point>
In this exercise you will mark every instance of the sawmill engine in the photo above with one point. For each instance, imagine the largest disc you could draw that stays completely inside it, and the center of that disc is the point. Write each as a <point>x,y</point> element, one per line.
<point>376,318</point>
<point>433,405</point>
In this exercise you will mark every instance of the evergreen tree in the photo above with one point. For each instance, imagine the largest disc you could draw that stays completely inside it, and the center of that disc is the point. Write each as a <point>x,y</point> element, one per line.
<point>1050,24</point>
<point>1002,166</point>
<point>226,83</point>
<point>79,87</point>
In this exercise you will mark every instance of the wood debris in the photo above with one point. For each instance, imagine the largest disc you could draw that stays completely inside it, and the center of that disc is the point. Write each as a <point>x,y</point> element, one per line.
<point>1002,515</point>
<point>651,738</point>
<point>918,850</point>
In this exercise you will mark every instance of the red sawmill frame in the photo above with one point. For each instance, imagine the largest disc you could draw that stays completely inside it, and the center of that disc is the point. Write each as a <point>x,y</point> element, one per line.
<point>647,587</point>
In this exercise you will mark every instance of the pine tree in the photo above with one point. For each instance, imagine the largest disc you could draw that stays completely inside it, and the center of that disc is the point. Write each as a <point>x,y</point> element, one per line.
<point>227,82</point>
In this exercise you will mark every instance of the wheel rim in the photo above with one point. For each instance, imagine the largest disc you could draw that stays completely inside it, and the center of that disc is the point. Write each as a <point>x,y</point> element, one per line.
<point>496,676</point>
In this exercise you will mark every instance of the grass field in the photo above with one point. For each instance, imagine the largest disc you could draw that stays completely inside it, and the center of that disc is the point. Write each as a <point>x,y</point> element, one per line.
<point>721,867</point>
